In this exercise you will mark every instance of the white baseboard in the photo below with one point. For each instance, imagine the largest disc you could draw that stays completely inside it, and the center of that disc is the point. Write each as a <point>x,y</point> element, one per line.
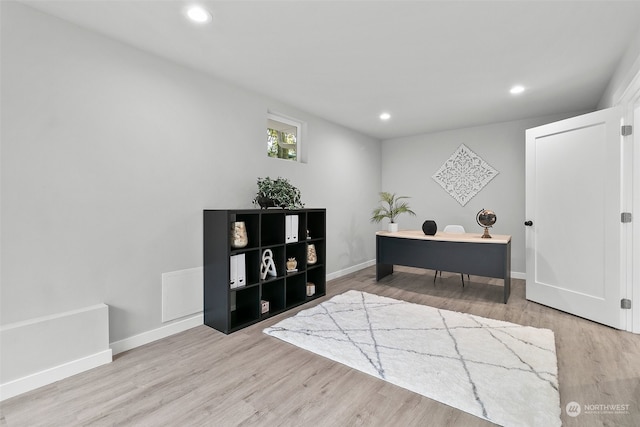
<point>350,270</point>
<point>358,267</point>
<point>156,334</point>
<point>47,376</point>
<point>39,351</point>
<point>51,375</point>
<point>518,275</point>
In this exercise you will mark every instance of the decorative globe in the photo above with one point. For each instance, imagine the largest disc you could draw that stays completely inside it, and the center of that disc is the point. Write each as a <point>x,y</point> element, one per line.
<point>486,218</point>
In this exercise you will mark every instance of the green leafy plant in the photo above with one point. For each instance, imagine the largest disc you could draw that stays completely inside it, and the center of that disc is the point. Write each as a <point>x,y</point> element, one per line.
<point>391,207</point>
<point>277,192</point>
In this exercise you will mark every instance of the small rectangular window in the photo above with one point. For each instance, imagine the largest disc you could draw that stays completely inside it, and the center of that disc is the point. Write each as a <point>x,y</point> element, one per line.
<point>283,137</point>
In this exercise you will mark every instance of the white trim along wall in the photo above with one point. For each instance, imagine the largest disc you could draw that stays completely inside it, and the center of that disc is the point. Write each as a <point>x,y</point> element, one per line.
<point>47,349</point>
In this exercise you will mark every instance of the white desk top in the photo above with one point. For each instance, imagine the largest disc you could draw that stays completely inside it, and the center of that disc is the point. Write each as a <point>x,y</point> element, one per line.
<point>447,237</point>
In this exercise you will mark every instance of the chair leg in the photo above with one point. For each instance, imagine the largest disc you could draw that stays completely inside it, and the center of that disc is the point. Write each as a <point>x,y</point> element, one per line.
<point>462,277</point>
<point>434,277</point>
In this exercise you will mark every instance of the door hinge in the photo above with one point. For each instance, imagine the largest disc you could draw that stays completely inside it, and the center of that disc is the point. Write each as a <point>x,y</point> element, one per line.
<point>626,130</point>
<point>625,303</point>
<point>625,217</point>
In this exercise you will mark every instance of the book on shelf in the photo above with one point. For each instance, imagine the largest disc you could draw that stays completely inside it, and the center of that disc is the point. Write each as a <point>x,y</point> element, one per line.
<point>291,228</point>
<point>237,271</point>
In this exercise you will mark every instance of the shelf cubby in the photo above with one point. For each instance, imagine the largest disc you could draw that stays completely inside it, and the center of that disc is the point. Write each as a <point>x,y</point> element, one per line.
<point>296,290</point>
<point>274,293</point>
<point>318,278</point>
<point>299,252</point>
<point>246,309</point>
<point>272,230</point>
<point>316,224</point>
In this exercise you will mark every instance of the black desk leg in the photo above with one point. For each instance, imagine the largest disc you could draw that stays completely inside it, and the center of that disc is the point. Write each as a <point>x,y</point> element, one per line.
<point>507,272</point>
<point>383,270</point>
<point>507,288</point>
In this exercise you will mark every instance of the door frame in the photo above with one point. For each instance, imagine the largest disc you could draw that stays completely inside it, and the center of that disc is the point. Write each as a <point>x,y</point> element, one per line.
<point>630,233</point>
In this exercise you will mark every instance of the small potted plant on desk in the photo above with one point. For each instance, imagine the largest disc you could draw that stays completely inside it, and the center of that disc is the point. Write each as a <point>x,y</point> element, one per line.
<point>391,207</point>
<point>279,193</point>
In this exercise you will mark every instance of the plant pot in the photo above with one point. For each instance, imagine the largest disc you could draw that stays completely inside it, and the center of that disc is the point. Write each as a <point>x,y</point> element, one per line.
<point>393,227</point>
<point>266,203</point>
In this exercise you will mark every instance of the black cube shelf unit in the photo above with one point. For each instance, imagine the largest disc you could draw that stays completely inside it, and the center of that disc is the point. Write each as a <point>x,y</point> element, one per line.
<point>230,309</point>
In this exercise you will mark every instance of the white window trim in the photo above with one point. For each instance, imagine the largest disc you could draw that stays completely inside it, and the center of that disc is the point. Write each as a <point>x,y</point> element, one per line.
<point>278,117</point>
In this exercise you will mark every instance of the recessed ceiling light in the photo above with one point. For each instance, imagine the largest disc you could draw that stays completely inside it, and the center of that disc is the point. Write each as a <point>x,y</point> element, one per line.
<point>198,14</point>
<point>517,89</point>
<point>385,116</point>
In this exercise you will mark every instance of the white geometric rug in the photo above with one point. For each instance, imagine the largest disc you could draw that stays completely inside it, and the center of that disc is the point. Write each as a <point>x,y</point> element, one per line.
<point>499,371</point>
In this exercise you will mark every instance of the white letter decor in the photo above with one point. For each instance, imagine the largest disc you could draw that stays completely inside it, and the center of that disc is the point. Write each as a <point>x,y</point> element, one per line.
<point>464,174</point>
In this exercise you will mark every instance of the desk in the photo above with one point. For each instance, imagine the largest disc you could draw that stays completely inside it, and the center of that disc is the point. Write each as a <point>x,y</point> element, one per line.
<point>464,253</point>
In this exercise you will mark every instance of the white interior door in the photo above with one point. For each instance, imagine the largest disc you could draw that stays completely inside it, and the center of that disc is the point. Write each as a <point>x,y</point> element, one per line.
<point>573,196</point>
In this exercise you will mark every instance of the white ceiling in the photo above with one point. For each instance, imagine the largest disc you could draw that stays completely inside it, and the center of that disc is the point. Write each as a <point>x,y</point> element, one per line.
<point>433,65</point>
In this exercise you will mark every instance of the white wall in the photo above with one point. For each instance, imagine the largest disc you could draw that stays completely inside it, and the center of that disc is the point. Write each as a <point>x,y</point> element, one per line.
<point>408,164</point>
<point>109,156</point>
<point>626,70</point>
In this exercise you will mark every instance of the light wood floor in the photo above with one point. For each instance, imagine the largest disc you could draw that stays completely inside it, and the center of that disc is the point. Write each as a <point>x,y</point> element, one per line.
<point>202,377</point>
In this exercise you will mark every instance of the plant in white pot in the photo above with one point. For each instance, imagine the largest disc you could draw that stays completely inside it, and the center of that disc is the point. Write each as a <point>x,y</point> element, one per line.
<point>390,207</point>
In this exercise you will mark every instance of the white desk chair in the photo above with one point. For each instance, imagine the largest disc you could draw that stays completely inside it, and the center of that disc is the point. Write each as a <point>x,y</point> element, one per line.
<point>454,229</point>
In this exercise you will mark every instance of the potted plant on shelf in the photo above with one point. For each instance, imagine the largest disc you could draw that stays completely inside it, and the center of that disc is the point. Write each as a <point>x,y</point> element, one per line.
<point>391,207</point>
<point>277,192</point>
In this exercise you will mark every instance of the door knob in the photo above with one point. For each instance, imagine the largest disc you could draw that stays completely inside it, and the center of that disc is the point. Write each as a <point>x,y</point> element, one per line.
<point>528,223</point>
